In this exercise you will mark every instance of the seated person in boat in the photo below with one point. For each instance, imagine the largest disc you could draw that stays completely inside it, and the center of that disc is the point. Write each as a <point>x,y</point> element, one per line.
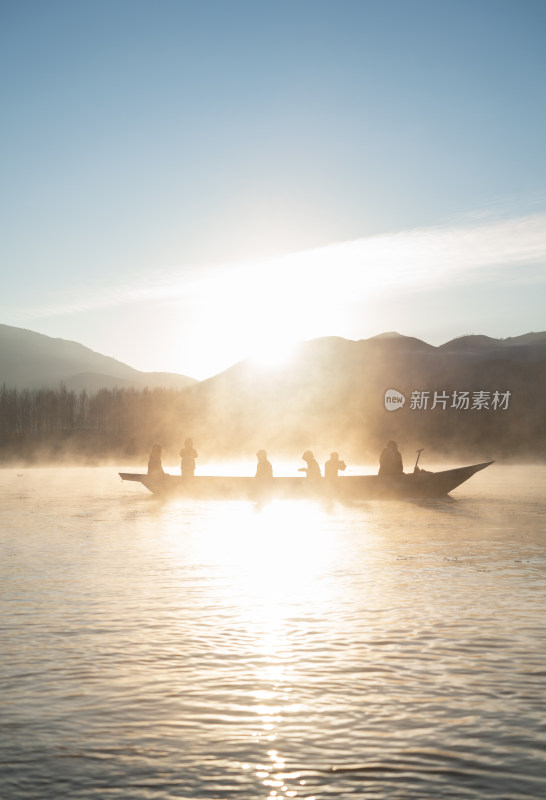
<point>155,467</point>
<point>332,466</point>
<point>188,455</point>
<point>312,469</point>
<point>390,461</point>
<point>264,470</point>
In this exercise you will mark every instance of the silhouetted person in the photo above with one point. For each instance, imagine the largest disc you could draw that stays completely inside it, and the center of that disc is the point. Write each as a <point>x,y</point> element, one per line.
<point>390,462</point>
<point>188,455</point>
<point>155,467</point>
<point>332,466</point>
<point>264,470</point>
<point>312,469</point>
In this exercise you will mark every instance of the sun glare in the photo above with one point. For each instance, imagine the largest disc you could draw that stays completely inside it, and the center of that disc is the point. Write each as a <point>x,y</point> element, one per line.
<point>264,571</point>
<point>273,354</point>
<point>258,311</point>
<point>269,558</point>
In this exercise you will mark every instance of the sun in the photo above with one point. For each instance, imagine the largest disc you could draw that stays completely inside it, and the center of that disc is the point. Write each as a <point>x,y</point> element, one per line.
<point>273,353</point>
<point>260,310</point>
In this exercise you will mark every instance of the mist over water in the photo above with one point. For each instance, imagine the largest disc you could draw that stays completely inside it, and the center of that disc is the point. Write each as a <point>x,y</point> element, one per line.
<point>171,649</point>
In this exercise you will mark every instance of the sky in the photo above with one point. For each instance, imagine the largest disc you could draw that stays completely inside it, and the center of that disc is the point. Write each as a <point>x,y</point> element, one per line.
<point>186,183</point>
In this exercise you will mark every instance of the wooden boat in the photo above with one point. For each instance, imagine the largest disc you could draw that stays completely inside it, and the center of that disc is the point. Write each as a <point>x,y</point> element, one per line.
<point>346,487</point>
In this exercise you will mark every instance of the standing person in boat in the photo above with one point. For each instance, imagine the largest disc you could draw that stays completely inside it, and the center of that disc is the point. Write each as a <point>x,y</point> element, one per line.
<point>264,470</point>
<point>332,467</point>
<point>155,467</point>
<point>390,461</point>
<point>312,469</point>
<point>188,455</point>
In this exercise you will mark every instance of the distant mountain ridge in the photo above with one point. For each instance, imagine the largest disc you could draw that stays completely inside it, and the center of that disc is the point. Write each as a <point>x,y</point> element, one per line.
<point>329,396</point>
<point>30,360</point>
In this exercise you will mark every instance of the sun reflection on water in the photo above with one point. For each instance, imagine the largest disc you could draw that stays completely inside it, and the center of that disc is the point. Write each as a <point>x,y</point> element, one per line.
<point>269,571</point>
<point>269,554</point>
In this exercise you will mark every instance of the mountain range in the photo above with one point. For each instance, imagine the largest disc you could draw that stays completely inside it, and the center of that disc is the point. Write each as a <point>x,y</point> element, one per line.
<point>329,396</point>
<point>31,360</point>
<point>332,395</point>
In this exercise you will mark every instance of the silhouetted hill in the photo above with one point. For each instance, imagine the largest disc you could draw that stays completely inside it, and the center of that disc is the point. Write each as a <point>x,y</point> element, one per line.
<point>396,342</point>
<point>30,360</point>
<point>527,339</point>
<point>469,343</point>
<point>331,396</point>
<point>93,381</point>
<point>474,397</point>
<point>529,347</point>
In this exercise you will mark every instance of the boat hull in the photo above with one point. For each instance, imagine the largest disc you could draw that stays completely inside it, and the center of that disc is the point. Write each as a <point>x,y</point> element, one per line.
<point>345,488</point>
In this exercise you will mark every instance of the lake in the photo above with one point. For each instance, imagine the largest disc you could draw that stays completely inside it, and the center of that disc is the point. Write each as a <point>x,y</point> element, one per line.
<point>173,649</point>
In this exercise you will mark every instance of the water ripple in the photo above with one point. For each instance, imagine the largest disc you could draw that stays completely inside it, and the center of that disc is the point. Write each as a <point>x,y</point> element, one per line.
<point>162,650</point>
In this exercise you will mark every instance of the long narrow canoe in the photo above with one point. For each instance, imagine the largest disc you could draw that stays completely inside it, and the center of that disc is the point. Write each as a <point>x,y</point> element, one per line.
<point>346,487</point>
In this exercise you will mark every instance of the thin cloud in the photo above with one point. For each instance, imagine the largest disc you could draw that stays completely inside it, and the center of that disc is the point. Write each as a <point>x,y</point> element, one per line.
<point>509,249</point>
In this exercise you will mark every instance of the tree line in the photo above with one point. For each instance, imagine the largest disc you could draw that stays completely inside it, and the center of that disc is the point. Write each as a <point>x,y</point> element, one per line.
<point>123,423</point>
<point>110,421</point>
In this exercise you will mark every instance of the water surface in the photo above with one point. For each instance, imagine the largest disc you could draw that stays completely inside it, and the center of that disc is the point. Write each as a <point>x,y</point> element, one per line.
<point>168,649</point>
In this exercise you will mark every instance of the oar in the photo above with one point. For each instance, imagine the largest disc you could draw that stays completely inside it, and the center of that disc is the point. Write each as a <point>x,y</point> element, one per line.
<point>417,459</point>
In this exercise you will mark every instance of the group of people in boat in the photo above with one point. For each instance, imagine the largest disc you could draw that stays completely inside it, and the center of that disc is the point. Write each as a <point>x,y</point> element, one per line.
<point>188,454</point>
<point>390,463</point>
<point>331,468</point>
<point>264,469</point>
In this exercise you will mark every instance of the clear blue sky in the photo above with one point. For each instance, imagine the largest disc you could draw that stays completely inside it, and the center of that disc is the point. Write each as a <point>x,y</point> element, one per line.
<point>159,157</point>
